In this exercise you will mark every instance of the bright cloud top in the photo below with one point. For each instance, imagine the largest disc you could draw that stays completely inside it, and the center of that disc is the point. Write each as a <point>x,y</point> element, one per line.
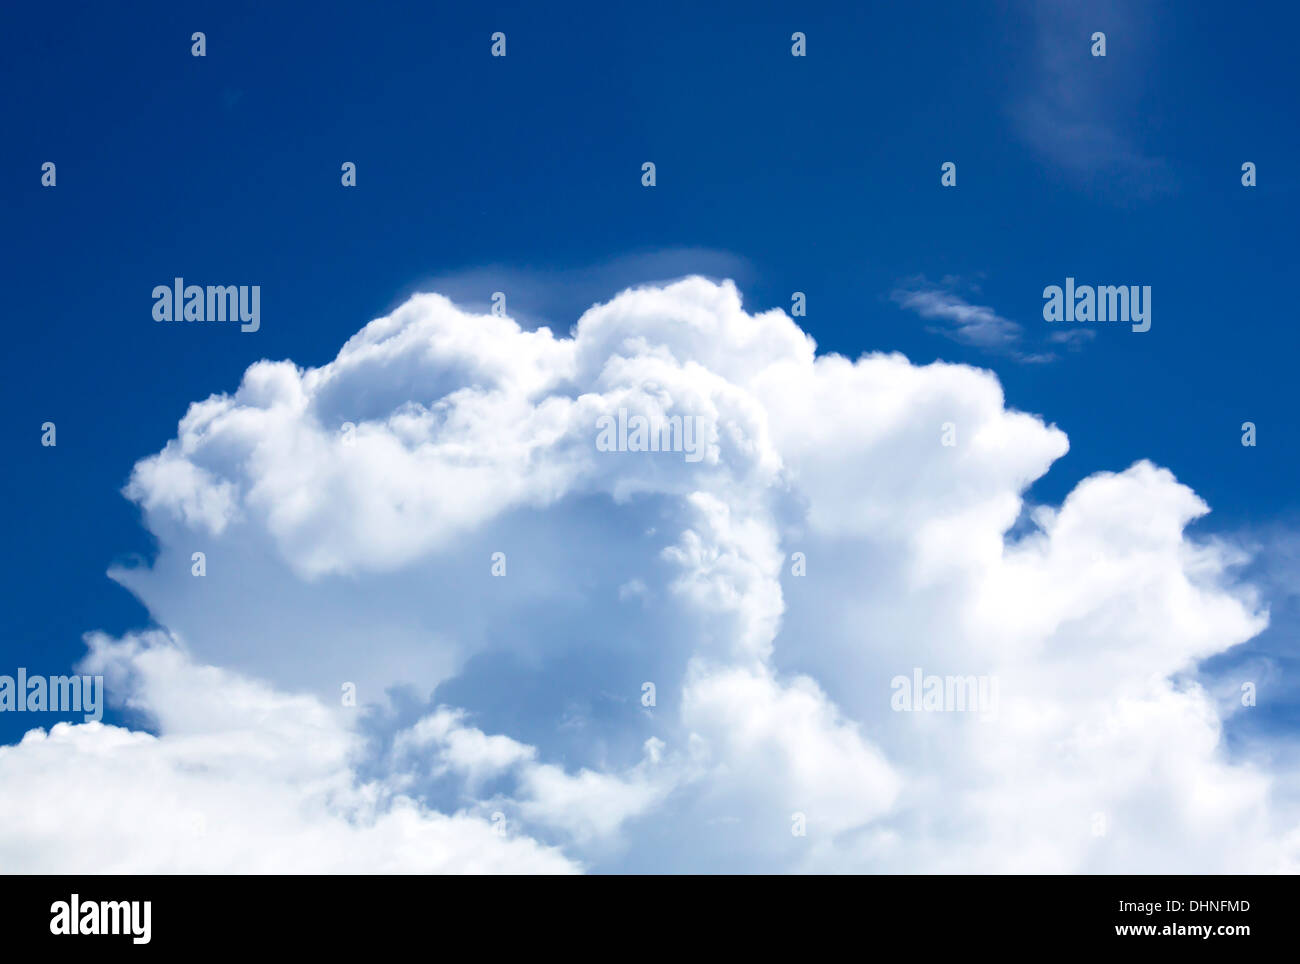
<point>348,514</point>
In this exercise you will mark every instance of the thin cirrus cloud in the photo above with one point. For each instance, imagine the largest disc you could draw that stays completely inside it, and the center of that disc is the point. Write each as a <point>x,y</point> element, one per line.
<point>970,324</point>
<point>503,721</point>
<point>1077,111</point>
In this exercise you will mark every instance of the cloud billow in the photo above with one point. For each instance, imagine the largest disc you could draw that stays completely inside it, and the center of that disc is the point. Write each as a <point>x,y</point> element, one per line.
<point>350,514</point>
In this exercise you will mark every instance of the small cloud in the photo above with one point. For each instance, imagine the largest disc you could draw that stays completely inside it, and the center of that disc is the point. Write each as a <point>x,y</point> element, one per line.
<point>632,589</point>
<point>1073,338</point>
<point>976,325</point>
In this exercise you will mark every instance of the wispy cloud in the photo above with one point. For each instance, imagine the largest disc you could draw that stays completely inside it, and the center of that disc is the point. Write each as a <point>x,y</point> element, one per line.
<point>1073,108</point>
<point>976,325</point>
<point>1073,338</point>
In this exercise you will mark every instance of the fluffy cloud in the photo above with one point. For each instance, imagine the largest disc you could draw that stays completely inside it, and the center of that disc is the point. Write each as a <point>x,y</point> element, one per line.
<point>238,779</point>
<point>350,515</point>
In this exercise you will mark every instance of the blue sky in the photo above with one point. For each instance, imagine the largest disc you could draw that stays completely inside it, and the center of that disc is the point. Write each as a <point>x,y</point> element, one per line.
<point>816,174</point>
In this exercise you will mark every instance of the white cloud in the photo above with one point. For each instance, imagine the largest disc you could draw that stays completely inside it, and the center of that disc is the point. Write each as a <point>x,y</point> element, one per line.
<point>239,779</point>
<point>370,563</point>
<point>585,805</point>
<point>970,324</point>
<point>974,324</point>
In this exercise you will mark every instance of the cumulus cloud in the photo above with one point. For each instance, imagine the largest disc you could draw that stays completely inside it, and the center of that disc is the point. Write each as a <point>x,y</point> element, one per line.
<point>850,521</point>
<point>239,778</point>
